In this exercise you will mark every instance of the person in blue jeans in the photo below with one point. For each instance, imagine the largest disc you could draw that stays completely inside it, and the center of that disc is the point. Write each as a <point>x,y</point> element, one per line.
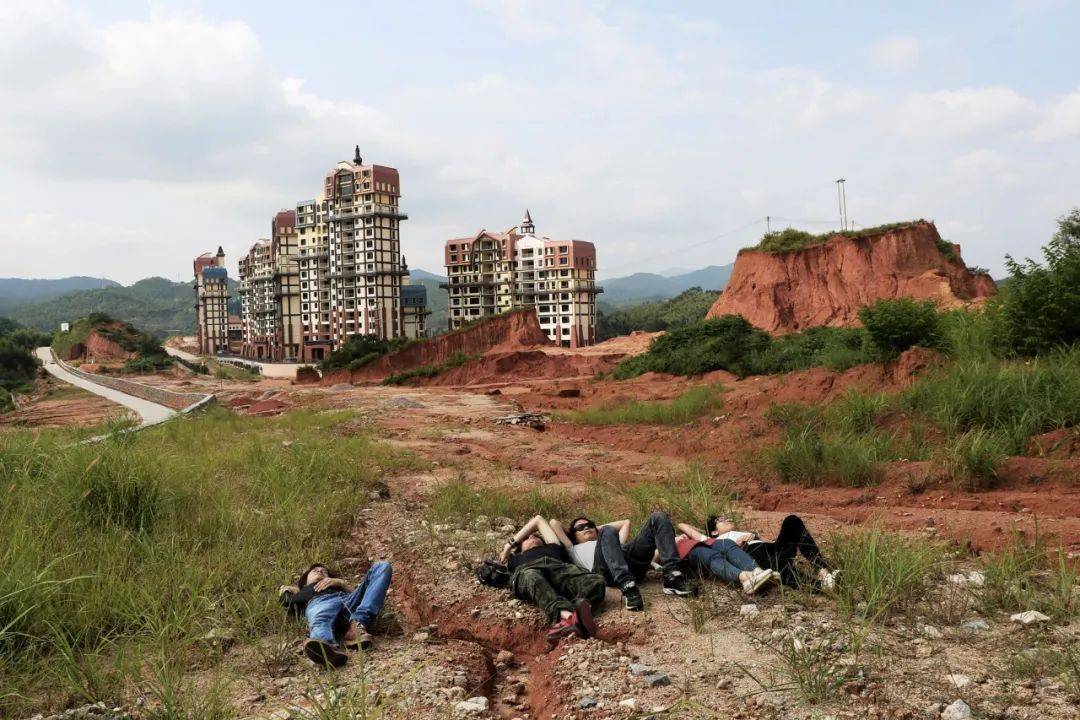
<point>337,614</point>
<point>723,558</point>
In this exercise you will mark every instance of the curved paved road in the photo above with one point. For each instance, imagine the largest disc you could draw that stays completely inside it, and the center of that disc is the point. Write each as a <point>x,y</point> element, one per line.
<point>151,413</point>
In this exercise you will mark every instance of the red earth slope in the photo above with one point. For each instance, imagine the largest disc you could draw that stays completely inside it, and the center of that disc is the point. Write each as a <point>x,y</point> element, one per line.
<point>827,283</point>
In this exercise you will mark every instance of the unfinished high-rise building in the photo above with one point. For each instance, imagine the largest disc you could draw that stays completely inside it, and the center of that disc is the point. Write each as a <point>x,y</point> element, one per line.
<point>211,303</point>
<point>330,270</point>
<point>492,272</point>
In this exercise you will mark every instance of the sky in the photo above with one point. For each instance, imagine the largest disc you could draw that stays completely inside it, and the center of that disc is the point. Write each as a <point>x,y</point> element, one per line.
<point>135,135</point>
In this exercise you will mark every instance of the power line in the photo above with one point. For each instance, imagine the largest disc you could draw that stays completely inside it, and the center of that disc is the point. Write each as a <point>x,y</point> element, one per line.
<point>714,238</point>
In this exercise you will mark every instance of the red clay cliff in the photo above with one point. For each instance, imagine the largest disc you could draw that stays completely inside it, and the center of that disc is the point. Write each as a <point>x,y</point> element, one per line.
<point>827,283</point>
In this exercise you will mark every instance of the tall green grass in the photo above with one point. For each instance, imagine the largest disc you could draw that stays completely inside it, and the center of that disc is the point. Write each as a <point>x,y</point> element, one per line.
<point>881,573</point>
<point>687,407</point>
<point>158,537</point>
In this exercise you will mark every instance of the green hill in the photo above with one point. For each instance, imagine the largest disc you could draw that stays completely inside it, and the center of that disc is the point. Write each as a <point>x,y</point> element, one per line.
<point>686,308</point>
<point>156,305</point>
<point>437,300</point>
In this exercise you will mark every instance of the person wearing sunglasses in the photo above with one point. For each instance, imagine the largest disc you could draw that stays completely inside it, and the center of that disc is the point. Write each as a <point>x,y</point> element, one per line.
<point>623,561</point>
<point>541,574</point>
<point>780,554</point>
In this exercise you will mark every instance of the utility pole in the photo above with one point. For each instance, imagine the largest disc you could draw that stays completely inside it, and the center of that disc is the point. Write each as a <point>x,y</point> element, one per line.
<point>841,201</point>
<point>768,227</point>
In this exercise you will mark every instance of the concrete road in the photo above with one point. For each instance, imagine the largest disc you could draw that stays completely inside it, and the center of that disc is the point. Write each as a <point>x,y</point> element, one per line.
<point>151,413</point>
<point>286,371</point>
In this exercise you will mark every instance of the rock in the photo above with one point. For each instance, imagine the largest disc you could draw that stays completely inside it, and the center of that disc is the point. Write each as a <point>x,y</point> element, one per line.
<point>973,578</point>
<point>587,703</point>
<point>421,637</point>
<point>958,680</point>
<point>932,632</point>
<point>958,710</point>
<point>505,657</point>
<point>976,625</point>
<point>1029,617</point>
<point>628,703</point>
<point>218,639</point>
<point>472,706</point>
<point>639,669</point>
<point>749,609</point>
<point>933,711</point>
<point>657,679</point>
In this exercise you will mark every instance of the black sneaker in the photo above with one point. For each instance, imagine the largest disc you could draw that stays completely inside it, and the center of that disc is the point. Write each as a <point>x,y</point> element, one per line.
<point>675,584</point>
<point>632,597</point>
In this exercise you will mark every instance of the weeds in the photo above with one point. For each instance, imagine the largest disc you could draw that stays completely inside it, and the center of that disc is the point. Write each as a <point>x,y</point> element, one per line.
<point>457,500</point>
<point>1026,576</point>
<point>972,459</point>
<point>882,574</point>
<point>161,536</point>
<point>687,407</point>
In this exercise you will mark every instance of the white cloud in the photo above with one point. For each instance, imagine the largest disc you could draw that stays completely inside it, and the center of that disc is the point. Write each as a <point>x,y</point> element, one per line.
<point>957,114</point>
<point>170,135</point>
<point>897,54</point>
<point>1062,120</point>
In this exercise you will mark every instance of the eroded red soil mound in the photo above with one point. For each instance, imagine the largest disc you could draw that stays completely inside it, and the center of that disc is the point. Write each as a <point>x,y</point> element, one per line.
<point>826,284</point>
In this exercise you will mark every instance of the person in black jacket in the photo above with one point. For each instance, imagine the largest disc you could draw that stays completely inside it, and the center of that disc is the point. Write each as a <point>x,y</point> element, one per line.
<point>336,612</point>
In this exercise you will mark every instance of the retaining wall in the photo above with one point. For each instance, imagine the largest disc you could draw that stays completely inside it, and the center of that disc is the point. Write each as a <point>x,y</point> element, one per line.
<point>161,396</point>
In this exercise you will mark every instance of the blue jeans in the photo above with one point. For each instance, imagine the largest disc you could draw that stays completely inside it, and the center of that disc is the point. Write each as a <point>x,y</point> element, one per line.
<point>725,559</point>
<point>328,615</point>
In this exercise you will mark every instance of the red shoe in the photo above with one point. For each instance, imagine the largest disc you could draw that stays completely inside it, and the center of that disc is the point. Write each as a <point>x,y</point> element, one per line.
<point>563,629</point>
<point>584,617</point>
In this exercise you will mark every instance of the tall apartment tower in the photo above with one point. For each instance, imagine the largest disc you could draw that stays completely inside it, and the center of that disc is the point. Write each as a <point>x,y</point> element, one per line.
<point>211,303</point>
<point>270,294</point>
<point>257,301</point>
<point>492,272</point>
<point>350,265</point>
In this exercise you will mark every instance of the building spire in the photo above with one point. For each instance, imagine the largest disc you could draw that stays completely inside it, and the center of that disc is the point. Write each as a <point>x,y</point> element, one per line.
<point>220,252</point>
<point>356,156</point>
<point>527,227</point>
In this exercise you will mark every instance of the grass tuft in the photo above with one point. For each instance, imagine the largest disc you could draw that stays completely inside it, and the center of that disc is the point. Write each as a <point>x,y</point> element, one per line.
<point>687,407</point>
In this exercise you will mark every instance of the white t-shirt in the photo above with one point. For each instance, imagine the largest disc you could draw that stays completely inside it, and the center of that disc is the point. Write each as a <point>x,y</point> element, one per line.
<point>583,554</point>
<point>739,537</point>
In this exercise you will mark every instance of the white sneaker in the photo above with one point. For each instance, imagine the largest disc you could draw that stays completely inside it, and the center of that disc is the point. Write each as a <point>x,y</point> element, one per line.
<point>759,579</point>
<point>828,579</point>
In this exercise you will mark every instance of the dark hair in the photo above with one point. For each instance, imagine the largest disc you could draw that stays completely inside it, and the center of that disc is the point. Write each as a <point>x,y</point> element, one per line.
<point>575,522</point>
<point>302,580</point>
<point>710,524</point>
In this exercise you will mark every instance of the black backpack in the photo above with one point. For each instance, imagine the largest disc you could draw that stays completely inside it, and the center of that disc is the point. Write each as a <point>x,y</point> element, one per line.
<point>493,574</point>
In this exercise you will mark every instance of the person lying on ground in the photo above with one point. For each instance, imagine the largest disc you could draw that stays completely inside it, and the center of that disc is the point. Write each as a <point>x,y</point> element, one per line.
<point>541,574</point>
<point>337,613</point>
<point>723,559</point>
<point>780,554</point>
<point>623,561</point>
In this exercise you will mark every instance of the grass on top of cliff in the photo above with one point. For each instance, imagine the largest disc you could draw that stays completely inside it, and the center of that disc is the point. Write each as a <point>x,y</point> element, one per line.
<point>123,554</point>
<point>789,239</point>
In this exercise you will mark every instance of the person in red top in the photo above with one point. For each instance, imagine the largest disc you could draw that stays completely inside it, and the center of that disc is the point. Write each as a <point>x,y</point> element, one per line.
<point>722,558</point>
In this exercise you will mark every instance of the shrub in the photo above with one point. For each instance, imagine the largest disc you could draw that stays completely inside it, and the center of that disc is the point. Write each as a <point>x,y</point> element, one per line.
<point>17,365</point>
<point>425,371</point>
<point>725,343</point>
<point>1026,575</point>
<point>687,407</point>
<point>359,350</point>
<point>835,348</point>
<point>894,325</point>
<point>687,308</point>
<point>1041,307</point>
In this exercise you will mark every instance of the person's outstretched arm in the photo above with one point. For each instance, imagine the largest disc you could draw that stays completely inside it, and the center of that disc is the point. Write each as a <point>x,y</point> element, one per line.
<point>691,532</point>
<point>560,533</point>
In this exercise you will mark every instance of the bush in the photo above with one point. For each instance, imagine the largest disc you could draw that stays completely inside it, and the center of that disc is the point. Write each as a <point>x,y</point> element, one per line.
<point>425,371</point>
<point>1041,307</point>
<point>733,344</point>
<point>359,350</point>
<point>687,308</point>
<point>812,458</point>
<point>894,325</point>
<point>725,343</point>
<point>687,407</point>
